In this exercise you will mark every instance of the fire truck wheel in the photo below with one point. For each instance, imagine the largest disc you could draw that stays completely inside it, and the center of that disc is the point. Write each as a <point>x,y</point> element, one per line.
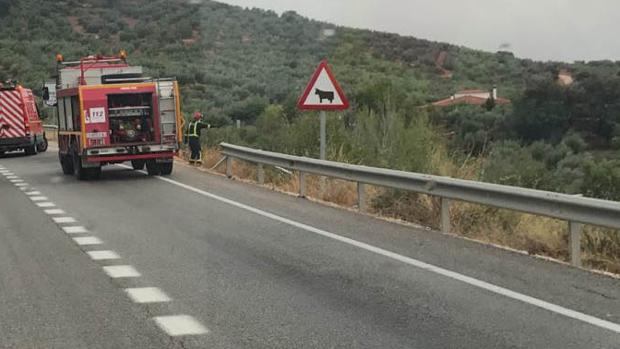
<point>165,168</point>
<point>42,146</point>
<point>32,150</point>
<point>152,168</point>
<point>80,172</point>
<point>67,164</point>
<point>138,164</point>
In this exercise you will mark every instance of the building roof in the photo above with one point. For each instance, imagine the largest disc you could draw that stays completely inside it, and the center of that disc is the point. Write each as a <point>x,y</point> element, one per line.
<point>471,91</point>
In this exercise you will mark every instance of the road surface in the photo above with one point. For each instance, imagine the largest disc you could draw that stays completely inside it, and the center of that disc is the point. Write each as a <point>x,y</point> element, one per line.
<point>199,261</point>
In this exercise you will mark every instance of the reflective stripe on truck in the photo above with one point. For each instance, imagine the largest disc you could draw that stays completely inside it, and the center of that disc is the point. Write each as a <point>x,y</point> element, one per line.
<point>11,115</point>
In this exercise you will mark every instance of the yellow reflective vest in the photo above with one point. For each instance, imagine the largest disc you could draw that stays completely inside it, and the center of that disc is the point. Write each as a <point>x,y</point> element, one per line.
<point>193,129</point>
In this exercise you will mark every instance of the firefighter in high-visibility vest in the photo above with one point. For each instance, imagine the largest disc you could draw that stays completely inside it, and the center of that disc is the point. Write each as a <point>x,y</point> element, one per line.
<point>194,128</point>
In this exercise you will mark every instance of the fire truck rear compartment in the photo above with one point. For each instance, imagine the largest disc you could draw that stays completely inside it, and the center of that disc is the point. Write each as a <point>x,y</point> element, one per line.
<point>131,118</point>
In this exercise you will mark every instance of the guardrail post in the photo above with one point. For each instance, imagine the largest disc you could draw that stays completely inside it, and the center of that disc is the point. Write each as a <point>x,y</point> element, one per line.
<point>228,167</point>
<point>445,224</point>
<point>574,242</point>
<point>302,185</point>
<point>260,174</point>
<point>361,197</point>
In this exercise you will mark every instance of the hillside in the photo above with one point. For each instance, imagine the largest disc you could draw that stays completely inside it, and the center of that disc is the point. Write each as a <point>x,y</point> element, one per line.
<point>226,55</point>
<point>233,62</point>
<point>251,65</point>
<point>243,52</point>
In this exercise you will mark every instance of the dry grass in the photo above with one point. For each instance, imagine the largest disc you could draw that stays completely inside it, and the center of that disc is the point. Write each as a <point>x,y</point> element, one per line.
<point>533,234</point>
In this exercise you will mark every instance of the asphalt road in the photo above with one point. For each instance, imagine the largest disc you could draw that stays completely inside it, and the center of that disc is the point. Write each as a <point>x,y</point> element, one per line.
<point>232,265</point>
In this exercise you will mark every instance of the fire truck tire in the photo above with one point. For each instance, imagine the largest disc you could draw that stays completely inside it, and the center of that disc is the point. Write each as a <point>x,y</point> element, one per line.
<point>32,150</point>
<point>66,163</point>
<point>42,146</point>
<point>152,168</point>
<point>81,173</point>
<point>138,164</point>
<point>166,168</point>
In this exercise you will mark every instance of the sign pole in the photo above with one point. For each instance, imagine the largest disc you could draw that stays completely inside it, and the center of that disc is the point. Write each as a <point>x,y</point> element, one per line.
<point>323,133</point>
<point>323,93</point>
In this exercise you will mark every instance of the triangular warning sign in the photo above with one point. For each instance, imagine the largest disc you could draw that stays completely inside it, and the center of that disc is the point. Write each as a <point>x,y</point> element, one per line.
<point>323,92</point>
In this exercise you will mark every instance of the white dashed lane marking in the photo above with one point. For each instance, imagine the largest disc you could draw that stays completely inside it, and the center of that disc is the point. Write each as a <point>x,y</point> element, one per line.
<point>103,255</point>
<point>147,295</point>
<point>75,229</point>
<point>63,220</point>
<point>87,240</point>
<point>46,204</point>
<point>180,325</point>
<point>121,271</point>
<point>173,325</point>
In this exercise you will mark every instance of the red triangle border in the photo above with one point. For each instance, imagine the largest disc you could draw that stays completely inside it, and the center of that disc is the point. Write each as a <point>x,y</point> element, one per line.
<point>308,90</point>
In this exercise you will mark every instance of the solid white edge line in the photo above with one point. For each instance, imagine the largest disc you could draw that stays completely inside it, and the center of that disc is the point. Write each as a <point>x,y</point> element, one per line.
<point>414,262</point>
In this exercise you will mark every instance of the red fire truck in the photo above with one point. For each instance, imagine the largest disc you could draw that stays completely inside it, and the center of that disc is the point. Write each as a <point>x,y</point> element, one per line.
<point>109,112</point>
<point>20,125</point>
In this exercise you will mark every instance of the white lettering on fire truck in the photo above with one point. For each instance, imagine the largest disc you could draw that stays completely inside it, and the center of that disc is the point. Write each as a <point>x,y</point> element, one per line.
<point>94,135</point>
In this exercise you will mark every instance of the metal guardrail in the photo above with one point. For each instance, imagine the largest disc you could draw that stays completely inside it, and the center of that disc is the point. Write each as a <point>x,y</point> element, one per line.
<point>574,209</point>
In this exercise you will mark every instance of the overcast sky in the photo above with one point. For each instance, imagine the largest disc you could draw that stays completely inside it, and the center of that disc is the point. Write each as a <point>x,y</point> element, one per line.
<point>564,30</point>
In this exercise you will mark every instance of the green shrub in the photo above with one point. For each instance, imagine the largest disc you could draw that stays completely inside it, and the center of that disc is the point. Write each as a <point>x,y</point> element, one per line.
<point>602,179</point>
<point>511,164</point>
<point>575,142</point>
